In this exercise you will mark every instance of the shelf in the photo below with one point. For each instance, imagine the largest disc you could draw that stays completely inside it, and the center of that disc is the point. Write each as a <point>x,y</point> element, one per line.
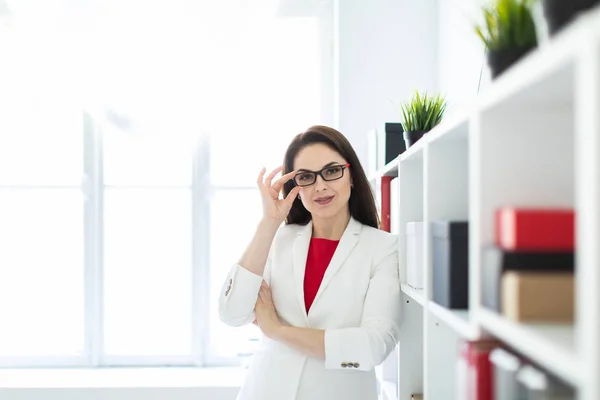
<point>527,84</point>
<point>389,169</point>
<point>551,346</point>
<point>415,294</point>
<point>457,320</point>
<point>414,152</point>
<point>545,76</point>
<point>455,127</point>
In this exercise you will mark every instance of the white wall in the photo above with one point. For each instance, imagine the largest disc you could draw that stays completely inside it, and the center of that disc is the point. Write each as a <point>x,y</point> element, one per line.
<point>460,52</point>
<point>384,50</point>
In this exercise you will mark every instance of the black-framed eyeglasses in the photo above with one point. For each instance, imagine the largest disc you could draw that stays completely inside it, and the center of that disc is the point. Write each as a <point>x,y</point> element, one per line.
<point>330,173</point>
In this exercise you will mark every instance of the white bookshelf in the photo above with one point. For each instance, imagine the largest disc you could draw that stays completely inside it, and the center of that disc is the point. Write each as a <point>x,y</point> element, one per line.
<point>531,139</point>
<point>458,320</point>
<point>550,345</point>
<point>414,294</point>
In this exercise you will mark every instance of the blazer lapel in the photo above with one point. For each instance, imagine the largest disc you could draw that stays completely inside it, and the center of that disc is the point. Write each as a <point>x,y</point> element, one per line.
<point>347,242</point>
<point>300,254</point>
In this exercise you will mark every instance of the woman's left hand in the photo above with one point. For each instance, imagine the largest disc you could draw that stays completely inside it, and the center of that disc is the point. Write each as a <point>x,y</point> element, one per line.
<point>266,315</point>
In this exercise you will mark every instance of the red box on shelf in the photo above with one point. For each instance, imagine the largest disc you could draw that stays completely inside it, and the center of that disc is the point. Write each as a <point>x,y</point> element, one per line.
<point>535,229</point>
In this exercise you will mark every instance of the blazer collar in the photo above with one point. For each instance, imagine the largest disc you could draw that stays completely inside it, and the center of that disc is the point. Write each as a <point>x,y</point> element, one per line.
<point>347,242</point>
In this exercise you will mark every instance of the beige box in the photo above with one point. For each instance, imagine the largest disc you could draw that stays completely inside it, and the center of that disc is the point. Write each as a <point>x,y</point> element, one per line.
<point>538,296</point>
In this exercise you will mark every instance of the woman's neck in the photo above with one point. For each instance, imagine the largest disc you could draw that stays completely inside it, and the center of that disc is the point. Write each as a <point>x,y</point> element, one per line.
<point>330,228</point>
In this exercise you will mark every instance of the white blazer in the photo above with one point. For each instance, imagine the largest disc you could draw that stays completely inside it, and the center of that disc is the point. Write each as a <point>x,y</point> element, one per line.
<point>358,305</point>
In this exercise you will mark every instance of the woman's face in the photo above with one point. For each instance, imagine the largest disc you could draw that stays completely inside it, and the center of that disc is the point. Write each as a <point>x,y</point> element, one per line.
<point>323,198</point>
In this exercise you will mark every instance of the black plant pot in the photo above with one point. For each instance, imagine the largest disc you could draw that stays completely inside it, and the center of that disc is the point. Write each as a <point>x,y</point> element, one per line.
<point>500,60</point>
<point>560,12</point>
<point>412,137</point>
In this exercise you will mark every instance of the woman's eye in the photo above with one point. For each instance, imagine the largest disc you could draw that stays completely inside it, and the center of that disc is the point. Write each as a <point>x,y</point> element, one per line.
<point>333,171</point>
<point>304,177</point>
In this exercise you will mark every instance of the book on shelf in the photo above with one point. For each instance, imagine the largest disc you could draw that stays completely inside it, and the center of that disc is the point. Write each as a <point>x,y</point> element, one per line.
<point>395,206</point>
<point>474,378</point>
<point>385,202</point>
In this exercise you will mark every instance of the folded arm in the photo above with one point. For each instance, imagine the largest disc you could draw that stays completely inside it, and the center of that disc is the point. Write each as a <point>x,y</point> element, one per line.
<point>368,345</point>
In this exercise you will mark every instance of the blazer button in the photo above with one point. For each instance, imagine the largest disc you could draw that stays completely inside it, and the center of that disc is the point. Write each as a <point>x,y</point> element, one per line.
<point>344,365</point>
<point>356,365</point>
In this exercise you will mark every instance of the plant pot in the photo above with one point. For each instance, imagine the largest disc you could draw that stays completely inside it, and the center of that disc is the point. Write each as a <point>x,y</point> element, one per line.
<point>500,60</point>
<point>411,138</point>
<point>560,12</point>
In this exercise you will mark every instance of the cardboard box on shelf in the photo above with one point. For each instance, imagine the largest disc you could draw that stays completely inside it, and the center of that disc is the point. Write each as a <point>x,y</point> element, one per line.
<point>538,296</point>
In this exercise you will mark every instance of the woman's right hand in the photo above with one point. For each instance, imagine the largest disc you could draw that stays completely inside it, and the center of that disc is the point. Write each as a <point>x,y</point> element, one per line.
<point>274,208</point>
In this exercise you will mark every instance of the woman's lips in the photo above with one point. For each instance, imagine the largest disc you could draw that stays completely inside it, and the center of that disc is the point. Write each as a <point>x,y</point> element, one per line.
<point>324,200</point>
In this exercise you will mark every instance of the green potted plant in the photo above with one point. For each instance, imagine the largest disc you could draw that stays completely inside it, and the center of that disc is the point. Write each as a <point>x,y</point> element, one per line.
<point>420,114</point>
<point>508,32</point>
<point>560,12</point>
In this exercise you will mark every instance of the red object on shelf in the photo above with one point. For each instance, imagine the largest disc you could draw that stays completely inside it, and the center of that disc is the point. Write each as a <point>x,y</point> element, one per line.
<point>385,202</point>
<point>531,229</point>
<point>480,368</point>
<point>475,371</point>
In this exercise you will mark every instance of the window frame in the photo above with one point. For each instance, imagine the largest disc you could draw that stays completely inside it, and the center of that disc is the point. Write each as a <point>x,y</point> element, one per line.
<point>200,267</point>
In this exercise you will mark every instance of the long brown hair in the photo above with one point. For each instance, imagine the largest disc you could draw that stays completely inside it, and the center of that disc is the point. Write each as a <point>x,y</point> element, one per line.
<point>361,202</point>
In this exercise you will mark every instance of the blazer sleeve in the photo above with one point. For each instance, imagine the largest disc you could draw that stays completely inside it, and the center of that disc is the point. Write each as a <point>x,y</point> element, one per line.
<point>239,294</point>
<point>365,347</point>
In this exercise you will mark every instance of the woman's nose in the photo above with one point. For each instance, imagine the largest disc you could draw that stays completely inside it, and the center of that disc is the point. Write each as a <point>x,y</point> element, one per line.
<point>320,183</point>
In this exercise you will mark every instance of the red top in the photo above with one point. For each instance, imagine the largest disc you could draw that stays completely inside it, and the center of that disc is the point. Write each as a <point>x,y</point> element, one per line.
<point>320,252</point>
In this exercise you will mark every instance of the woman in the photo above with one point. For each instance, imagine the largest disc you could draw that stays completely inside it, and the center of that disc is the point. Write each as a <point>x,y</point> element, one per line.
<point>324,287</point>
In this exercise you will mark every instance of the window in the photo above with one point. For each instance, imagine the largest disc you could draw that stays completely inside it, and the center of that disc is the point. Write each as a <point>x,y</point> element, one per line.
<point>41,295</point>
<point>41,228</point>
<point>114,242</point>
<point>147,241</point>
